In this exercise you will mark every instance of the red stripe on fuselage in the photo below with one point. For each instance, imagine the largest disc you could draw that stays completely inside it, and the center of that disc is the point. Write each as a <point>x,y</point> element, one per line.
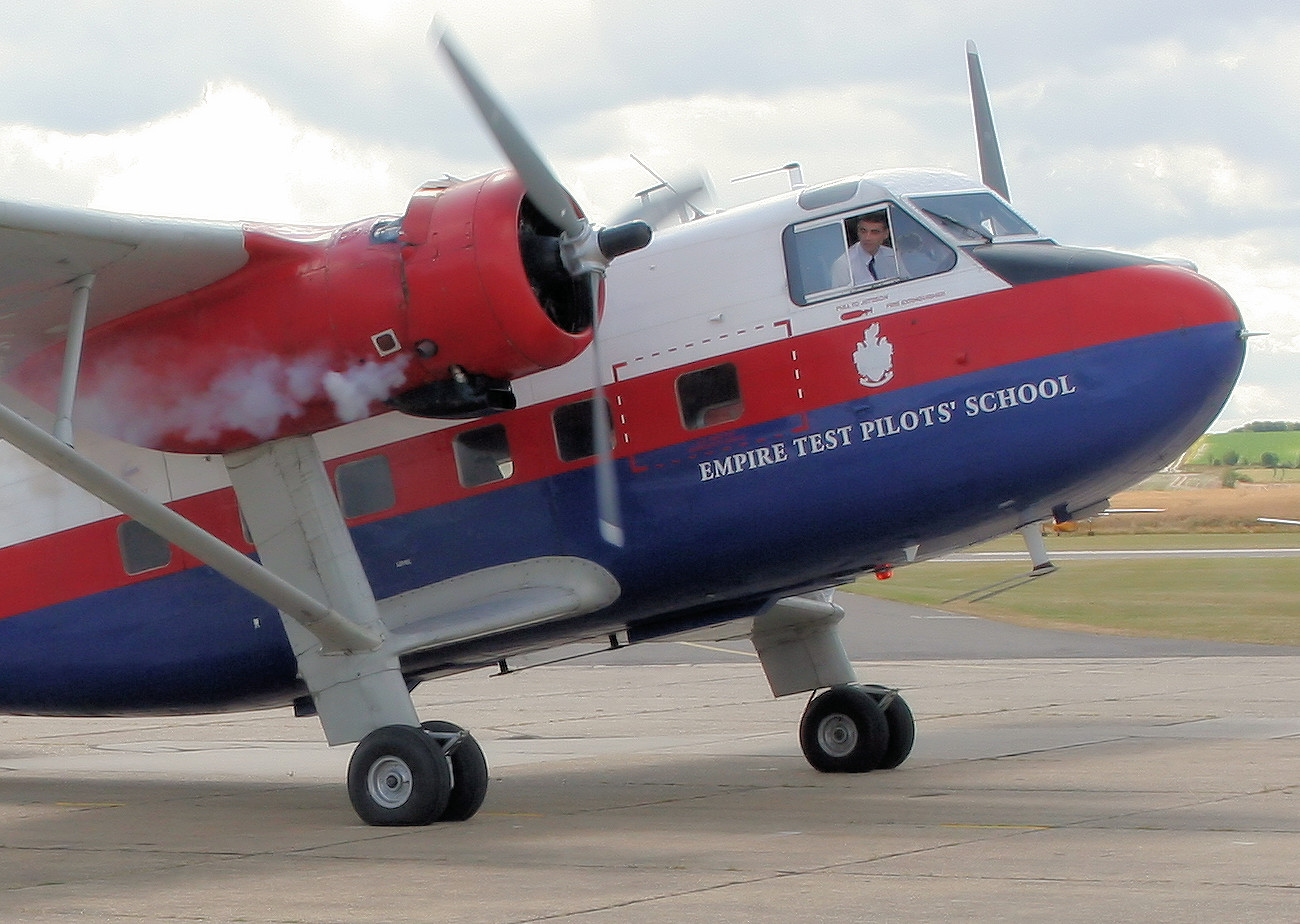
<point>785,378</point>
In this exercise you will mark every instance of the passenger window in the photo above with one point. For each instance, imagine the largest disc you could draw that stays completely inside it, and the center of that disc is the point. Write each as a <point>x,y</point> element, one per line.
<point>830,257</point>
<point>142,549</point>
<point>365,486</point>
<point>709,397</point>
<point>574,434</point>
<point>482,456</point>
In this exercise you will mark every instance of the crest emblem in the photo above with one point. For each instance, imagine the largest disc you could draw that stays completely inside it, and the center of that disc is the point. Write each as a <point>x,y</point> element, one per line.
<point>874,358</point>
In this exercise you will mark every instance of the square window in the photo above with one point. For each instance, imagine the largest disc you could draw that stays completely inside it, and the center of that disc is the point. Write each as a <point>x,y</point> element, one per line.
<point>142,549</point>
<point>709,397</point>
<point>575,430</point>
<point>482,456</point>
<point>365,486</point>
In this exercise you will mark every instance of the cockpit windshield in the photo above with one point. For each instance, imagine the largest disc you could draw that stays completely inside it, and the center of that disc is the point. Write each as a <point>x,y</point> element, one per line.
<point>974,217</point>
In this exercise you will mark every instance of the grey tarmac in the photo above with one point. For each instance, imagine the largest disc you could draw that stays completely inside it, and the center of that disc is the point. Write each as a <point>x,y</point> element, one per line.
<point>1119,555</point>
<point>1078,787</point>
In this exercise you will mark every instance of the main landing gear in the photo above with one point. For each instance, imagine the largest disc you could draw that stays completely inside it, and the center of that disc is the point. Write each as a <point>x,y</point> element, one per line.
<point>401,775</point>
<point>856,729</point>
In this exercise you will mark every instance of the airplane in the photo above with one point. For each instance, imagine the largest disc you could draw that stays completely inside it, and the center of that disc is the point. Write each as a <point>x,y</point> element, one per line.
<point>320,466</point>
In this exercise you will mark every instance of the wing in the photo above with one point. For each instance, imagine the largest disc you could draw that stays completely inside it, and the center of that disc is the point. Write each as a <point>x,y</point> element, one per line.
<point>137,261</point>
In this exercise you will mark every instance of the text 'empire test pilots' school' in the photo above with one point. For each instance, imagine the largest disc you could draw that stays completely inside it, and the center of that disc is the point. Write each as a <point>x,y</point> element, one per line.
<point>932,415</point>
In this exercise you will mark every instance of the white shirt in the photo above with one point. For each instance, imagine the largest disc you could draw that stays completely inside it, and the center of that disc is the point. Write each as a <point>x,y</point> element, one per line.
<point>856,266</point>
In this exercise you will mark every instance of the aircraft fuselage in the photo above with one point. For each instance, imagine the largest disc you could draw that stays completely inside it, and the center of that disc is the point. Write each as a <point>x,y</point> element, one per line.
<point>777,430</point>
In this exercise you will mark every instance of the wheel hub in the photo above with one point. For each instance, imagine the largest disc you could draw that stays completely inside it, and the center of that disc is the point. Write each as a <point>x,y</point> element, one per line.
<point>390,782</point>
<point>837,735</point>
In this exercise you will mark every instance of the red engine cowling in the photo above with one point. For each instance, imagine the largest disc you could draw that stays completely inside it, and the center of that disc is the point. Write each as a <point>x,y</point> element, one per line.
<point>433,315</point>
<point>483,274</point>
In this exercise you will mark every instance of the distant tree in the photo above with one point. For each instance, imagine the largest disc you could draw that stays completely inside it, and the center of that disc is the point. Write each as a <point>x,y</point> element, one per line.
<point>1268,426</point>
<point>1268,459</point>
<point>1231,458</point>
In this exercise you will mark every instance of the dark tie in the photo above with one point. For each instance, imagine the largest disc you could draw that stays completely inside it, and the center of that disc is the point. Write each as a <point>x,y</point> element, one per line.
<point>871,268</point>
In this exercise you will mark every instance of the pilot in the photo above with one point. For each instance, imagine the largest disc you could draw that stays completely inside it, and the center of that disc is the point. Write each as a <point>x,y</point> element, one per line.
<point>870,258</point>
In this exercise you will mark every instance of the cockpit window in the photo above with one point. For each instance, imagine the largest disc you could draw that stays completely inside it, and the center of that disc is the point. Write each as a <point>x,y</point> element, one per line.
<point>975,217</point>
<point>875,246</point>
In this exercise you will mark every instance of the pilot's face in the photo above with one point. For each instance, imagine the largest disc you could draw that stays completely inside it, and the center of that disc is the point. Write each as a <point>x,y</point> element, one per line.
<point>871,234</point>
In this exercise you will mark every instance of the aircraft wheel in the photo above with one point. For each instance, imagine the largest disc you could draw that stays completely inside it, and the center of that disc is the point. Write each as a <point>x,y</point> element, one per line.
<point>844,730</point>
<point>469,770</point>
<point>399,776</point>
<point>902,726</point>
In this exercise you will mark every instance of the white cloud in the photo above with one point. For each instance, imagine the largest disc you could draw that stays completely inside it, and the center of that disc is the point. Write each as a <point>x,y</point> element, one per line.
<point>1204,173</point>
<point>235,157</point>
<point>231,156</point>
<point>833,132</point>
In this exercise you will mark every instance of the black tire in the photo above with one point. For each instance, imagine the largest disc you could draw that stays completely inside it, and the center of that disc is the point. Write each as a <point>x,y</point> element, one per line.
<point>902,726</point>
<point>469,772</point>
<point>398,776</point>
<point>844,731</point>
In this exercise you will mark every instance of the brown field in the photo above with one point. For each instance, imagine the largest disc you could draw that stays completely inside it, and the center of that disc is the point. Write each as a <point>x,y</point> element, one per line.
<point>1205,510</point>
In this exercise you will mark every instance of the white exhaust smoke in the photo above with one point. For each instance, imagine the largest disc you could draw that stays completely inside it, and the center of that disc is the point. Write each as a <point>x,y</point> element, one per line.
<point>255,395</point>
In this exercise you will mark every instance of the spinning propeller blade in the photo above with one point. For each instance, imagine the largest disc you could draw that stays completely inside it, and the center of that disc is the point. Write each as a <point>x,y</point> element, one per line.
<point>680,196</point>
<point>608,510</point>
<point>585,249</point>
<point>544,188</point>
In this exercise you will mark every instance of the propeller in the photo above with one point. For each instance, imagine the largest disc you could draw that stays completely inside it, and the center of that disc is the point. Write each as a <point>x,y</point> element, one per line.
<point>585,250</point>
<point>679,198</point>
<point>986,139</point>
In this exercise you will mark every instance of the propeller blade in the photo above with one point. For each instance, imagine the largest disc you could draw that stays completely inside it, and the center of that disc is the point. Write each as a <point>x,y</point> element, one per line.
<point>608,512</point>
<point>986,139</point>
<point>584,249</point>
<point>676,199</point>
<point>545,190</point>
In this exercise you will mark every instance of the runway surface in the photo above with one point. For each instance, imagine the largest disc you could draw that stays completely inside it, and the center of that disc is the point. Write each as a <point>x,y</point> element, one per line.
<point>1120,554</point>
<point>1070,781</point>
<point>883,630</point>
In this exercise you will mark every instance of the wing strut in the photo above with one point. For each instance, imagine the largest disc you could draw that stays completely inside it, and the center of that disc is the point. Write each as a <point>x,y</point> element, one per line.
<point>72,356</point>
<point>336,632</point>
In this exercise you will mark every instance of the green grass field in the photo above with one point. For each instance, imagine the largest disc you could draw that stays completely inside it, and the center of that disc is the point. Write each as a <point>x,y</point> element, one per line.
<point>1233,600</point>
<point>1211,448</point>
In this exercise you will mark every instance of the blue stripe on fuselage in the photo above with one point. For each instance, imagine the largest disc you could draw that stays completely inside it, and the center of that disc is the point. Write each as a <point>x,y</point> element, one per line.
<point>808,513</point>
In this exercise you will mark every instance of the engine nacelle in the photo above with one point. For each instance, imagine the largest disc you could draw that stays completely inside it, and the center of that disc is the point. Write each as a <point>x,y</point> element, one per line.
<point>432,315</point>
<point>485,281</point>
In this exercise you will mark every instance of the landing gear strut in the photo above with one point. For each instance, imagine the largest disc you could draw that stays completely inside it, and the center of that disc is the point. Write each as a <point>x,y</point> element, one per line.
<point>857,729</point>
<point>400,775</point>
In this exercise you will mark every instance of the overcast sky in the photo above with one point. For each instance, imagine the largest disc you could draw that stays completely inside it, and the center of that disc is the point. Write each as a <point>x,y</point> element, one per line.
<point>1162,128</point>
